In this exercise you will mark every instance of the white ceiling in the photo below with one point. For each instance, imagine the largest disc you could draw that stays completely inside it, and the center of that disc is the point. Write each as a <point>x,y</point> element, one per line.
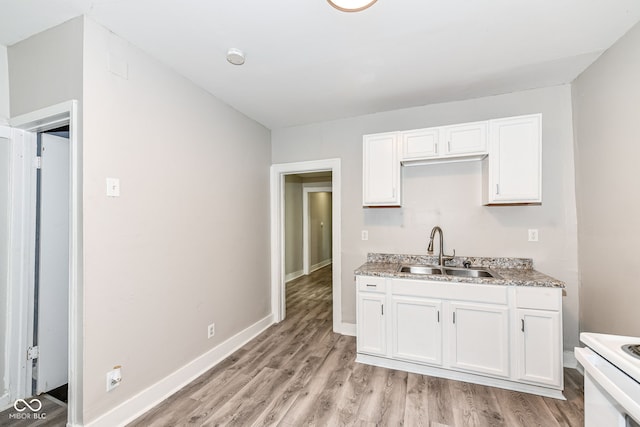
<point>308,62</point>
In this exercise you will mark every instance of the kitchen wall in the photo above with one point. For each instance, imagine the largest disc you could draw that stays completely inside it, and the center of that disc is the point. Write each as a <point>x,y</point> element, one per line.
<point>449,195</point>
<point>606,117</point>
<point>293,245</point>
<point>319,229</point>
<point>170,255</point>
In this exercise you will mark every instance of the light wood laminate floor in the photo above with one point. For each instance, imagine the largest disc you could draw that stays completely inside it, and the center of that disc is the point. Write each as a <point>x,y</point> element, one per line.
<point>300,373</point>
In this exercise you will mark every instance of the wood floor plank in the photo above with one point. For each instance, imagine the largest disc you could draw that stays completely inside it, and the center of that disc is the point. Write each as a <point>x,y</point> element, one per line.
<point>416,411</point>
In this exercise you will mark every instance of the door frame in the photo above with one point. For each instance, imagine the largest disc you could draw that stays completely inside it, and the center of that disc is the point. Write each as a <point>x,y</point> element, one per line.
<point>306,253</point>
<point>278,172</point>
<point>22,249</point>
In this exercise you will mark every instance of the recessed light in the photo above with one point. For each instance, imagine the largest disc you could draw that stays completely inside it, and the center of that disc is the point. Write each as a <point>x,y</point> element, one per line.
<point>351,5</point>
<point>235,56</point>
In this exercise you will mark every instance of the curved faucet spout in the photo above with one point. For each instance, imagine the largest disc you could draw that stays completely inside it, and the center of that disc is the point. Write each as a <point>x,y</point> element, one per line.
<point>442,258</point>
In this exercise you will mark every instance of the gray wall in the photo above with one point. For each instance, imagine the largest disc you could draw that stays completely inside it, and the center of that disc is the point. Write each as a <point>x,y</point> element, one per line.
<point>607,113</point>
<point>170,255</point>
<point>4,85</point>
<point>319,228</point>
<point>293,245</point>
<point>450,195</point>
<point>46,69</point>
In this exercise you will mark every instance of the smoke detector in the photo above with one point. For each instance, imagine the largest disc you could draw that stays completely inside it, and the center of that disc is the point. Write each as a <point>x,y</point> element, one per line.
<point>235,56</point>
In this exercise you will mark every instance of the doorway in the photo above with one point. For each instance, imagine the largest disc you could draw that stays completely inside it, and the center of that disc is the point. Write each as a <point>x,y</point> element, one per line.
<point>45,246</point>
<point>278,174</point>
<point>49,306</point>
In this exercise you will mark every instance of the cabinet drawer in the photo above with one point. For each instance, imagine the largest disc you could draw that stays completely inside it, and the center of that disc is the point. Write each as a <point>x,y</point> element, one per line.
<point>371,284</point>
<point>539,298</point>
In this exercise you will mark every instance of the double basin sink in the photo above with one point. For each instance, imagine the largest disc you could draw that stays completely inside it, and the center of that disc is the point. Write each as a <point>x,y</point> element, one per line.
<point>475,272</point>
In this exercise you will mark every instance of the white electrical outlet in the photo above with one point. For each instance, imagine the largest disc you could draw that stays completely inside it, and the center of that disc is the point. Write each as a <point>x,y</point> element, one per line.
<point>365,235</point>
<point>114,378</point>
<point>211,330</point>
<point>533,234</point>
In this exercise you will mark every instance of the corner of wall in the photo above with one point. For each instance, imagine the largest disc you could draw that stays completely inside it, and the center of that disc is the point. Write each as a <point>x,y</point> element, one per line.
<point>4,85</point>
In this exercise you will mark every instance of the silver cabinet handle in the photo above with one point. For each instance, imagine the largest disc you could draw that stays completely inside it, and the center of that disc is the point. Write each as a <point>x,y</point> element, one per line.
<point>497,188</point>
<point>522,326</point>
<point>438,316</point>
<point>371,286</point>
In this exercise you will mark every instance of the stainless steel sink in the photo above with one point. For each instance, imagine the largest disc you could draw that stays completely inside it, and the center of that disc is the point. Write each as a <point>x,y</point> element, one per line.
<point>449,271</point>
<point>420,269</point>
<point>469,272</point>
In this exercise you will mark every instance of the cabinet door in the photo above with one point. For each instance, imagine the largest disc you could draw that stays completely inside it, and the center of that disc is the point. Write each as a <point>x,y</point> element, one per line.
<point>417,329</point>
<point>468,138</point>
<point>371,334</point>
<point>479,338</point>
<point>515,160</point>
<point>539,347</point>
<point>381,170</point>
<point>420,144</point>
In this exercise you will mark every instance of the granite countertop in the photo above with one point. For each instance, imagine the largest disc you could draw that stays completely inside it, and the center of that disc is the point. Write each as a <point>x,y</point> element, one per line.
<point>512,271</point>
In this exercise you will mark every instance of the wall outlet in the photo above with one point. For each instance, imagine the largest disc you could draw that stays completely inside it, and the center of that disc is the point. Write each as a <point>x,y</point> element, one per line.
<point>365,235</point>
<point>114,378</point>
<point>533,234</point>
<point>211,330</point>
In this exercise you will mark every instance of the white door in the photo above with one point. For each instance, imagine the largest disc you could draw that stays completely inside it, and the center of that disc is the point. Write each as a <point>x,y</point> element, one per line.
<point>381,170</point>
<point>417,329</point>
<point>539,347</point>
<point>371,336</point>
<point>53,266</point>
<point>480,338</point>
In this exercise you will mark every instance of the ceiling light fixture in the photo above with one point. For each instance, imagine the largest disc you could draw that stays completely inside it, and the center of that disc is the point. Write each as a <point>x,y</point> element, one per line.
<point>235,56</point>
<point>351,5</point>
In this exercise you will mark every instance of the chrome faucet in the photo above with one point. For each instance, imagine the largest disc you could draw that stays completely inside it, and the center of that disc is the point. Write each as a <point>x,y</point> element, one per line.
<point>442,258</point>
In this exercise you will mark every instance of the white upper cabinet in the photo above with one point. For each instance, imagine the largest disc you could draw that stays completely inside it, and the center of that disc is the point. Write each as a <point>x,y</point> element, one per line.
<point>420,143</point>
<point>445,143</point>
<point>511,149</point>
<point>513,169</point>
<point>466,139</point>
<point>381,170</point>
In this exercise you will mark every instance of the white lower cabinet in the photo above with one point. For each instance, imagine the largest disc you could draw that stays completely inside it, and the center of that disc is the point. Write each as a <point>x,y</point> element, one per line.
<point>479,338</point>
<point>539,347</point>
<point>503,336</point>
<point>371,333</point>
<point>416,329</point>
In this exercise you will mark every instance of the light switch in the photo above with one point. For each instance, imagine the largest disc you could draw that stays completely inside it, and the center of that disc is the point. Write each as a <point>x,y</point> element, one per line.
<point>113,187</point>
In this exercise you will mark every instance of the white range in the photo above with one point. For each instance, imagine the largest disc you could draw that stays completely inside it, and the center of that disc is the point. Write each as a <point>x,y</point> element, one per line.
<point>612,379</point>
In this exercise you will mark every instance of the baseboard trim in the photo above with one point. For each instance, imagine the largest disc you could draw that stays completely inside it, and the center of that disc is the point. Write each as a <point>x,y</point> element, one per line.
<point>347,329</point>
<point>150,397</point>
<point>459,376</point>
<point>5,403</point>
<point>319,265</point>
<point>569,359</point>
<point>292,276</point>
